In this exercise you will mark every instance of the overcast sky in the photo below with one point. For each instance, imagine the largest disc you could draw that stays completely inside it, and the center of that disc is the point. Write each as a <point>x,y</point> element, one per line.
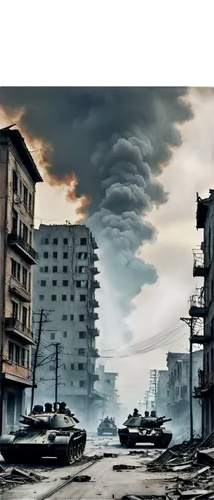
<point>162,304</point>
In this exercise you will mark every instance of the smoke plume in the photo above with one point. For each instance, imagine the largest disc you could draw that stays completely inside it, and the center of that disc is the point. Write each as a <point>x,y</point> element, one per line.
<point>115,141</point>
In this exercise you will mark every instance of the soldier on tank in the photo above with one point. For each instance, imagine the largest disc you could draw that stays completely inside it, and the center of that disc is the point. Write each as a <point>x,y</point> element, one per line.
<point>135,412</point>
<point>48,407</point>
<point>146,414</point>
<point>153,413</point>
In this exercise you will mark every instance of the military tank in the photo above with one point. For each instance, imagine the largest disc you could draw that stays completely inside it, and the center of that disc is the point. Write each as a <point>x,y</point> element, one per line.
<point>147,429</point>
<point>107,426</point>
<point>49,432</point>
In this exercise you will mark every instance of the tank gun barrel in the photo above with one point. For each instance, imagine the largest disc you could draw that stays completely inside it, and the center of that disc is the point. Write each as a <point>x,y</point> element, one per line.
<point>163,420</point>
<point>27,419</point>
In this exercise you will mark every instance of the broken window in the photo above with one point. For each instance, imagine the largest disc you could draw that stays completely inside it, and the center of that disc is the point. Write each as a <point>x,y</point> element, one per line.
<point>81,284</point>
<point>82,255</point>
<point>81,352</point>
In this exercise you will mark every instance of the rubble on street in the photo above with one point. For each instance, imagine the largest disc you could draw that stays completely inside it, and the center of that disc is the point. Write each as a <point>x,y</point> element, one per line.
<point>15,477</point>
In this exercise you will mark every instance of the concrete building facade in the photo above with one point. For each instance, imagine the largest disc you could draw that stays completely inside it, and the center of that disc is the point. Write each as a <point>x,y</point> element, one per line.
<point>65,284</point>
<point>202,306</point>
<point>178,365</point>
<point>18,177</point>
<point>162,396</point>
<point>106,387</point>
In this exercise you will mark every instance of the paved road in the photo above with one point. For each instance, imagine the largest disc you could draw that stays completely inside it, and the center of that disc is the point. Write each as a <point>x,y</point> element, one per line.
<point>105,482</point>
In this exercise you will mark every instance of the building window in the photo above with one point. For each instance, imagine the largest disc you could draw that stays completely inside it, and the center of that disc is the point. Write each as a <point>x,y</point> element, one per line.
<point>72,383</point>
<point>82,383</point>
<point>81,284</point>
<point>55,241</point>
<point>72,298</point>
<point>82,335</point>
<point>10,351</point>
<point>82,255</point>
<point>64,317</point>
<point>15,308</point>
<point>72,366</point>
<point>41,269</point>
<point>65,283</point>
<point>65,255</point>
<point>65,335</point>
<point>64,298</point>
<point>65,269</point>
<point>108,381</point>
<point>15,222</point>
<point>71,317</point>
<point>25,233</point>
<point>24,277</point>
<point>45,255</point>
<point>54,283</point>
<point>15,182</point>
<point>64,366</point>
<point>82,298</point>
<point>80,366</point>
<point>46,241</point>
<point>54,269</point>
<point>41,297</point>
<point>83,241</point>
<point>53,298</point>
<point>15,269</point>
<point>54,255</point>
<point>30,203</point>
<point>25,197</point>
<point>43,283</point>
<point>17,354</point>
<point>52,336</point>
<point>81,317</point>
<point>65,241</point>
<point>51,368</point>
<point>46,269</point>
<point>24,316</point>
<point>81,352</point>
<point>81,269</point>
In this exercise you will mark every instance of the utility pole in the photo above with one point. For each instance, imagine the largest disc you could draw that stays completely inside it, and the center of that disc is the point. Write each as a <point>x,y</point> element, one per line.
<point>56,371</point>
<point>36,356</point>
<point>189,322</point>
<point>153,387</point>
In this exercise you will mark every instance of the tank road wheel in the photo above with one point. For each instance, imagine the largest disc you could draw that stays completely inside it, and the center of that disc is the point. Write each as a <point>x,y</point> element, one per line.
<point>67,456</point>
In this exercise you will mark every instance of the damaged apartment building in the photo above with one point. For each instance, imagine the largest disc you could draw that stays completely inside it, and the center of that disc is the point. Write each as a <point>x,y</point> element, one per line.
<point>65,286</point>
<point>178,406</point>
<point>106,387</point>
<point>202,309</point>
<point>18,177</point>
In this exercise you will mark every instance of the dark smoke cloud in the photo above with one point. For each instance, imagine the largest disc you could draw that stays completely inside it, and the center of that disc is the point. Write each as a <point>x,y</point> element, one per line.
<point>115,140</point>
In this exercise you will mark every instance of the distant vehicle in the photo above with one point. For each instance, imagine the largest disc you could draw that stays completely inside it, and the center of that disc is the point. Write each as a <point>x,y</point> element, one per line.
<point>147,429</point>
<point>107,426</point>
<point>47,433</point>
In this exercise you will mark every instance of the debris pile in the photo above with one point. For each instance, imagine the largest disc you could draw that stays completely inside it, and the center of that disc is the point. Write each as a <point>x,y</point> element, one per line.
<point>15,477</point>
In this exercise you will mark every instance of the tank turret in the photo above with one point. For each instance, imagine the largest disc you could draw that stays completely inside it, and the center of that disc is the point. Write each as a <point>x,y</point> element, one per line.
<point>45,433</point>
<point>147,429</point>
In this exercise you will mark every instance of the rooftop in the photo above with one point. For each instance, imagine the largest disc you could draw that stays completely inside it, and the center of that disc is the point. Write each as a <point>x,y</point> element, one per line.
<point>17,141</point>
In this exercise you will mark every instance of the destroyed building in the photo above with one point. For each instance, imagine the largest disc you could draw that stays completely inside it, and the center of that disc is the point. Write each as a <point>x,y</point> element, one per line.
<point>65,284</point>
<point>162,395</point>
<point>18,177</point>
<point>202,307</point>
<point>178,409</point>
<point>106,387</point>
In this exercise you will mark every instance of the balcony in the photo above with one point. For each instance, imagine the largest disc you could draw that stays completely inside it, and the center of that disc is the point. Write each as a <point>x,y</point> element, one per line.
<point>200,339</point>
<point>17,289</point>
<point>94,244</point>
<point>94,377</point>
<point>95,284</point>
<point>93,353</point>
<point>12,325</point>
<point>23,248</point>
<point>205,384</point>
<point>94,257</point>
<point>94,332</point>
<point>200,269</point>
<point>94,270</point>
<point>198,308</point>
<point>94,316</point>
<point>94,303</point>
